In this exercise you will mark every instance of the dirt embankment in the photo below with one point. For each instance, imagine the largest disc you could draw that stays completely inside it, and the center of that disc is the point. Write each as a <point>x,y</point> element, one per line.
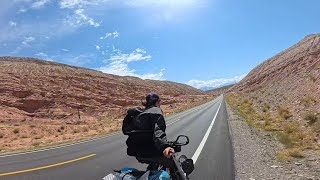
<point>281,97</point>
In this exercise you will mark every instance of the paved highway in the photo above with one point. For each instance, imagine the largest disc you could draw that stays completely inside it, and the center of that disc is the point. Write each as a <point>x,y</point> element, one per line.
<point>210,147</point>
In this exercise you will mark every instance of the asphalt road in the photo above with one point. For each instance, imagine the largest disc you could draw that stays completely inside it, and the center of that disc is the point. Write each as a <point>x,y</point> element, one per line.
<point>211,149</point>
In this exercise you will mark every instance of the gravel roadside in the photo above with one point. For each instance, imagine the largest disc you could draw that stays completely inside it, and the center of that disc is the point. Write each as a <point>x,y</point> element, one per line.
<point>255,155</point>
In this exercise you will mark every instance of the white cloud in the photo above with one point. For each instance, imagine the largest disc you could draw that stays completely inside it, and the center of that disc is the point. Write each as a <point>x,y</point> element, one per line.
<point>44,56</point>
<point>28,40</point>
<point>155,76</point>
<point>74,60</point>
<point>73,4</point>
<point>65,50</point>
<point>12,23</point>
<point>98,47</point>
<point>22,10</point>
<point>215,83</point>
<point>78,60</point>
<point>119,65</point>
<point>114,34</point>
<point>79,18</point>
<point>137,55</point>
<point>39,4</point>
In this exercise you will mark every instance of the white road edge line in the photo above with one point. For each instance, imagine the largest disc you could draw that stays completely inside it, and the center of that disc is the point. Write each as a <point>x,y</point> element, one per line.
<point>203,142</point>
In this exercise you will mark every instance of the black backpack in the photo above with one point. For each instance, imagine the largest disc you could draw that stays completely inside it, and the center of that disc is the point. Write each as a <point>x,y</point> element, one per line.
<point>128,121</point>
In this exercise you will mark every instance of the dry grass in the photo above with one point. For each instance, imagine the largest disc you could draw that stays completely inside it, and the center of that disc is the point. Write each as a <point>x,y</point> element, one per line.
<point>289,154</point>
<point>293,135</point>
<point>266,107</point>
<point>36,143</point>
<point>76,130</point>
<point>312,118</point>
<point>284,112</point>
<point>16,130</point>
<point>309,100</point>
<point>39,136</point>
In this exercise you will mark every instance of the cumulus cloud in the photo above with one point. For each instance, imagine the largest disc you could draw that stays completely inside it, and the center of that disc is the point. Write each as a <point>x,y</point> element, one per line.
<point>65,50</point>
<point>137,55</point>
<point>114,34</point>
<point>72,4</point>
<point>39,4</point>
<point>79,18</point>
<point>28,40</point>
<point>215,83</point>
<point>118,64</point>
<point>98,47</point>
<point>44,56</point>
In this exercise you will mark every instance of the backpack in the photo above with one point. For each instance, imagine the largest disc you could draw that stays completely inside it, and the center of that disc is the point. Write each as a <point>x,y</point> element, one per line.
<point>128,121</point>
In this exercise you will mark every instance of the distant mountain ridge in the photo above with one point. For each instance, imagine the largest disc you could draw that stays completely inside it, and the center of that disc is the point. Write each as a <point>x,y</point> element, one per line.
<point>220,90</point>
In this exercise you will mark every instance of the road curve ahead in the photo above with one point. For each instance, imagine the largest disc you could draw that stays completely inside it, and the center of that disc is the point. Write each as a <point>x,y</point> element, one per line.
<point>210,147</point>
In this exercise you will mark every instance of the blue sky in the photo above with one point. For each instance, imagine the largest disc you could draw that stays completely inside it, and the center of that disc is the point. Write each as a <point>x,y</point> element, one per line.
<point>204,43</point>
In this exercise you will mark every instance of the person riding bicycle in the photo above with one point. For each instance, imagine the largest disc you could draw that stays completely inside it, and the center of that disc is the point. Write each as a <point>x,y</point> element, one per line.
<point>146,130</point>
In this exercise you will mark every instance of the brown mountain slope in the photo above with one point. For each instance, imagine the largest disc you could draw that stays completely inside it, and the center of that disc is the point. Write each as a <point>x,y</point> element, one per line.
<point>38,98</point>
<point>283,95</point>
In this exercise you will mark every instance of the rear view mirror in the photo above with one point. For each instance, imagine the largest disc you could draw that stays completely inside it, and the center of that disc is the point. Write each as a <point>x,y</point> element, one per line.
<point>183,140</point>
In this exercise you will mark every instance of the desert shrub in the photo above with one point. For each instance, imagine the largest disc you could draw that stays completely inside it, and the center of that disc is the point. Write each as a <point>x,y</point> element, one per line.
<point>76,130</point>
<point>32,126</point>
<point>16,130</point>
<point>289,154</point>
<point>311,118</point>
<point>294,135</point>
<point>309,100</point>
<point>36,143</point>
<point>85,129</point>
<point>284,112</point>
<point>285,139</point>
<point>1,135</point>
<point>24,136</point>
<point>38,136</point>
<point>266,107</point>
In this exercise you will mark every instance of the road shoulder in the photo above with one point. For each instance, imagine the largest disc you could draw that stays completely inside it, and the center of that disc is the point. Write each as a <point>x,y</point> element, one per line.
<point>255,155</point>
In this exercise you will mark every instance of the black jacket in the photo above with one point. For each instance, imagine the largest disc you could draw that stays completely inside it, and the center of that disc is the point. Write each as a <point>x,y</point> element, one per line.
<point>147,137</point>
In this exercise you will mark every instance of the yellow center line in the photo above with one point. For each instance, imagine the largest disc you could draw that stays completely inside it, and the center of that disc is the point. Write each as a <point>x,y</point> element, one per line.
<point>46,167</point>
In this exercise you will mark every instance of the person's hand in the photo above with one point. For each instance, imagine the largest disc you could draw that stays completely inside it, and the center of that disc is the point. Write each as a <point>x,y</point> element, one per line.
<point>168,152</point>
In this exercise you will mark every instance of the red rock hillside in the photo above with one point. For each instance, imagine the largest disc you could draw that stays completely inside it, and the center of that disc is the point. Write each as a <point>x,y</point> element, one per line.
<point>283,95</point>
<point>40,99</point>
